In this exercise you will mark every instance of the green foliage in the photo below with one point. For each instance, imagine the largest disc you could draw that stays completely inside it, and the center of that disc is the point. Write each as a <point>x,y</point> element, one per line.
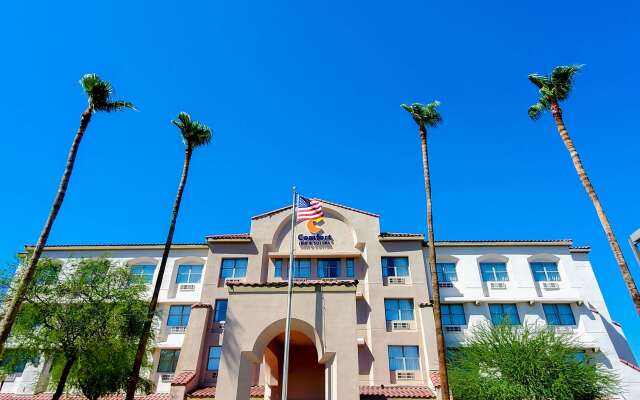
<point>91,312</point>
<point>100,92</point>
<point>552,89</point>
<point>194,133</point>
<point>424,114</point>
<point>526,363</point>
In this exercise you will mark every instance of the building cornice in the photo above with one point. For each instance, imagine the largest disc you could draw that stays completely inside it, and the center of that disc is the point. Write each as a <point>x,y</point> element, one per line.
<point>126,246</point>
<point>501,243</point>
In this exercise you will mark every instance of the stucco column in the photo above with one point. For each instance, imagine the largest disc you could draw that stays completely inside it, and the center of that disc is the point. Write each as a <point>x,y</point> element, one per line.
<point>234,379</point>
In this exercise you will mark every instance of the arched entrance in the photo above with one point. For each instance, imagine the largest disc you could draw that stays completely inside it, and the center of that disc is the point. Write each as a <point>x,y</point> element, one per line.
<point>306,374</point>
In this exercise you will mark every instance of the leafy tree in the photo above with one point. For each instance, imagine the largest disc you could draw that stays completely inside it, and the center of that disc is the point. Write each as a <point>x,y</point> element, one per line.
<point>194,135</point>
<point>85,318</point>
<point>556,88</point>
<point>99,93</point>
<point>427,115</point>
<point>506,362</point>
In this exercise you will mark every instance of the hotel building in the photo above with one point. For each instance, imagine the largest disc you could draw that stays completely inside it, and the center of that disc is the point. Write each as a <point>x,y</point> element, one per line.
<point>362,320</point>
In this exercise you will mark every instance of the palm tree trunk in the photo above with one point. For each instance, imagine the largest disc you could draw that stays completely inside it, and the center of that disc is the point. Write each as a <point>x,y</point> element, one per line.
<point>63,377</point>
<point>142,345</point>
<point>435,288</point>
<point>586,182</point>
<point>17,297</point>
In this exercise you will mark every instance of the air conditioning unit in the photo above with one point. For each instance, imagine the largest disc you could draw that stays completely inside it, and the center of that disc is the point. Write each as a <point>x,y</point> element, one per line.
<point>445,284</point>
<point>497,285</point>
<point>299,279</point>
<point>177,329</point>
<point>405,375</point>
<point>550,285</point>
<point>231,280</point>
<point>166,377</point>
<point>453,329</point>
<point>397,280</point>
<point>12,377</point>
<point>400,325</point>
<point>563,329</point>
<point>329,279</point>
<point>187,287</point>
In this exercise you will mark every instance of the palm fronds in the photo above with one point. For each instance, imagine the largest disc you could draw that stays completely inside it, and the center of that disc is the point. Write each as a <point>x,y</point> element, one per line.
<point>194,133</point>
<point>553,88</point>
<point>424,114</point>
<point>99,93</point>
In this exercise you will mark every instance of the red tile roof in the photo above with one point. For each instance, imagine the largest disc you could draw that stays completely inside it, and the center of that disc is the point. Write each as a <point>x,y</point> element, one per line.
<point>435,378</point>
<point>48,396</point>
<point>229,236</point>
<point>183,378</point>
<point>400,235</point>
<point>297,282</point>
<point>403,392</point>
<point>630,364</point>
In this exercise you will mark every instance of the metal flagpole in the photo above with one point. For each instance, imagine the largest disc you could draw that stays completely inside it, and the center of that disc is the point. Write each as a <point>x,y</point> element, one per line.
<point>287,326</point>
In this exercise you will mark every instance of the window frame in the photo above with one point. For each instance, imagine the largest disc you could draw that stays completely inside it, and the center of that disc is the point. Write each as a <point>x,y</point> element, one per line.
<point>213,357</point>
<point>414,359</point>
<point>322,269</point>
<point>175,356</point>
<point>451,315</point>
<point>148,279</point>
<point>444,276</point>
<point>350,267</point>
<point>190,273</point>
<point>217,309</point>
<point>545,271</point>
<point>556,307</point>
<point>180,315</point>
<point>399,310</point>
<point>505,315</point>
<point>497,276</point>
<point>234,268</point>
<point>386,267</point>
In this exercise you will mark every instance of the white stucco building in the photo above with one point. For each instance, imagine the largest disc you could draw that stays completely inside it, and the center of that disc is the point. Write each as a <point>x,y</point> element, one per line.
<point>362,317</point>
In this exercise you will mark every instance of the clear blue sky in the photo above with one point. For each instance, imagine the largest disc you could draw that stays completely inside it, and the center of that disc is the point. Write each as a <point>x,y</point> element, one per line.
<point>309,93</point>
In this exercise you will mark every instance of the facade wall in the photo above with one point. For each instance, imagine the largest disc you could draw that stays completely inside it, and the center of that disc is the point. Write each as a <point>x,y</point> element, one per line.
<point>344,323</point>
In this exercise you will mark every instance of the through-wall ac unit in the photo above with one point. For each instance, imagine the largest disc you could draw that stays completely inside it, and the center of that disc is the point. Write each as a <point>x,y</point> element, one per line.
<point>177,329</point>
<point>231,280</point>
<point>166,377</point>
<point>400,325</point>
<point>453,328</point>
<point>187,287</point>
<point>550,285</point>
<point>445,284</point>
<point>497,285</point>
<point>563,329</point>
<point>329,279</point>
<point>405,375</point>
<point>397,280</point>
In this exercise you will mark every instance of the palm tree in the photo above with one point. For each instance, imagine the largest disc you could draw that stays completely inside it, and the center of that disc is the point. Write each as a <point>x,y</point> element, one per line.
<point>427,115</point>
<point>99,97</point>
<point>194,134</point>
<point>554,89</point>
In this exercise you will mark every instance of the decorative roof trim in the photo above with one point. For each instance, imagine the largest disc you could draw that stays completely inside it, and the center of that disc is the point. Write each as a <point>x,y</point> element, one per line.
<point>201,305</point>
<point>296,283</point>
<point>396,236</point>
<point>228,238</point>
<point>183,378</point>
<point>390,392</point>
<point>119,246</point>
<point>630,364</point>
<point>506,243</point>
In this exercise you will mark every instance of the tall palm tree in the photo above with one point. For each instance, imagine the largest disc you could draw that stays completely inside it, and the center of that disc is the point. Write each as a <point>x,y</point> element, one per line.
<point>99,97</point>
<point>554,89</point>
<point>194,134</point>
<point>427,115</point>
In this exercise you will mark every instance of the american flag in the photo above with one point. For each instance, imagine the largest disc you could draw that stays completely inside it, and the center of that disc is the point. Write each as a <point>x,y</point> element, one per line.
<point>309,209</point>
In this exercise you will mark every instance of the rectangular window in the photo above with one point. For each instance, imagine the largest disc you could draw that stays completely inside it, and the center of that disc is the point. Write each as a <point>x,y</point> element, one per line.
<point>545,271</point>
<point>168,361</point>
<point>452,314</point>
<point>559,314</point>
<point>277,268</point>
<point>213,364</point>
<point>395,266</point>
<point>220,310</point>
<point>189,274</point>
<point>143,271</point>
<point>179,315</point>
<point>492,272</point>
<point>404,358</point>
<point>398,309</point>
<point>233,268</point>
<point>446,272</point>
<point>349,271</point>
<point>329,268</point>
<point>504,314</point>
<point>302,268</point>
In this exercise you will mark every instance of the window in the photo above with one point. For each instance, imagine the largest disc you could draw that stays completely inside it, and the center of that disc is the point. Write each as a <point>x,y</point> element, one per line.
<point>168,361</point>
<point>446,272</point>
<point>349,271</point>
<point>504,314</point>
<point>189,274</point>
<point>179,315</point>
<point>302,268</point>
<point>452,314</point>
<point>329,268</point>
<point>545,271</point>
<point>559,314</point>
<point>494,272</point>
<point>233,268</point>
<point>214,358</point>
<point>17,360</point>
<point>398,309</point>
<point>220,310</point>
<point>404,358</point>
<point>277,272</point>
<point>143,271</point>
<point>395,266</point>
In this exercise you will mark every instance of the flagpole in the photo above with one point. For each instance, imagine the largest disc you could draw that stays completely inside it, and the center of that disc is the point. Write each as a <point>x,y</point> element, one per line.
<point>287,326</point>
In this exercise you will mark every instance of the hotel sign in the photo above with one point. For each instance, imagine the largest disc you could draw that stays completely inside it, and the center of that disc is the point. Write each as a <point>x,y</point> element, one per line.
<point>316,238</point>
